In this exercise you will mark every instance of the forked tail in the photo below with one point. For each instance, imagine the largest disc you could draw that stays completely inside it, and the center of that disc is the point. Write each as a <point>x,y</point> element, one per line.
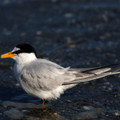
<point>88,74</point>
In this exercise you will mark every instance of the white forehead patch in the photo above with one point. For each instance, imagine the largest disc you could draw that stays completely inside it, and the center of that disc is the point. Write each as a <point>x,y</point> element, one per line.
<point>15,49</point>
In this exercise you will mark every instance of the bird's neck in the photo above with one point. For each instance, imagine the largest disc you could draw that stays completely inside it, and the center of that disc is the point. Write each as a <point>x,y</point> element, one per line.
<point>24,58</point>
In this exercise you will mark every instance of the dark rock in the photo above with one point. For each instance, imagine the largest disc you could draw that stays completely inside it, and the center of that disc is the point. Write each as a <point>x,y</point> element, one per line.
<point>88,115</point>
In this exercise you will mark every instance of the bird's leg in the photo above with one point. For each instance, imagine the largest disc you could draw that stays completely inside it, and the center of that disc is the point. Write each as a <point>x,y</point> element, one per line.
<point>43,102</point>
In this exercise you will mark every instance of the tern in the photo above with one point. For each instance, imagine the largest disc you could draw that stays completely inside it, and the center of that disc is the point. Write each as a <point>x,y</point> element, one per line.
<point>47,80</point>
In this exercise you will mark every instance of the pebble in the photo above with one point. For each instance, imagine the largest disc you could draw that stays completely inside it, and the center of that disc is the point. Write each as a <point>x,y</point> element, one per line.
<point>68,15</point>
<point>14,113</point>
<point>87,107</point>
<point>91,114</point>
<point>117,113</point>
<point>38,32</point>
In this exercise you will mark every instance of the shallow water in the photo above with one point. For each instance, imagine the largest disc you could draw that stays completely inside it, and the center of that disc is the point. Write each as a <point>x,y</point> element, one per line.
<point>93,28</point>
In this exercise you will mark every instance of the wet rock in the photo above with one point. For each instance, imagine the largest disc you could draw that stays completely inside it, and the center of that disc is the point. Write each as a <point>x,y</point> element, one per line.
<point>91,114</point>
<point>45,113</point>
<point>29,111</point>
<point>14,113</point>
<point>20,105</point>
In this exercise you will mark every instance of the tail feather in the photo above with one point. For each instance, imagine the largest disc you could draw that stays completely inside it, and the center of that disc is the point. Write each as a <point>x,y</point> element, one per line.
<point>93,73</point>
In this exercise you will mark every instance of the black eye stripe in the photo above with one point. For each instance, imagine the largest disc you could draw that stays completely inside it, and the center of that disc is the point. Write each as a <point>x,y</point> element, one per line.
<point>17,52</point>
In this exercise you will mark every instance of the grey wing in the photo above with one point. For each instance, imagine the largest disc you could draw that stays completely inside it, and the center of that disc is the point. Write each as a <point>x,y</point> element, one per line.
<point>83,75</point>
<point>45,75</point>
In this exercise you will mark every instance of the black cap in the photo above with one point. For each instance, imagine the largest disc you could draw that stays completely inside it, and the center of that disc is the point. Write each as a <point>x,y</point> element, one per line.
<point>25,48</point>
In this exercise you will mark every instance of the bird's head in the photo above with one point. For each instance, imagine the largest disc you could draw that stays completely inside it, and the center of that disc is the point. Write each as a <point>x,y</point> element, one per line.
<point>21,53</point>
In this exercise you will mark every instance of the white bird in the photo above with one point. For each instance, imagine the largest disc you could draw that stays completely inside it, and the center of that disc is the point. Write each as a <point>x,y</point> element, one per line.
<point>47,80</point>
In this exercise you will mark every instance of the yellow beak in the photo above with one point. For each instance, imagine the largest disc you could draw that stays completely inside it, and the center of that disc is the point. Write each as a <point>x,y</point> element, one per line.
<point>7,55</point>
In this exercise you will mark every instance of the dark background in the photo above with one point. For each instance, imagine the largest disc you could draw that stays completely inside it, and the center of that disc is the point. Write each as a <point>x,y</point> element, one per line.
<point>77,33</point>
